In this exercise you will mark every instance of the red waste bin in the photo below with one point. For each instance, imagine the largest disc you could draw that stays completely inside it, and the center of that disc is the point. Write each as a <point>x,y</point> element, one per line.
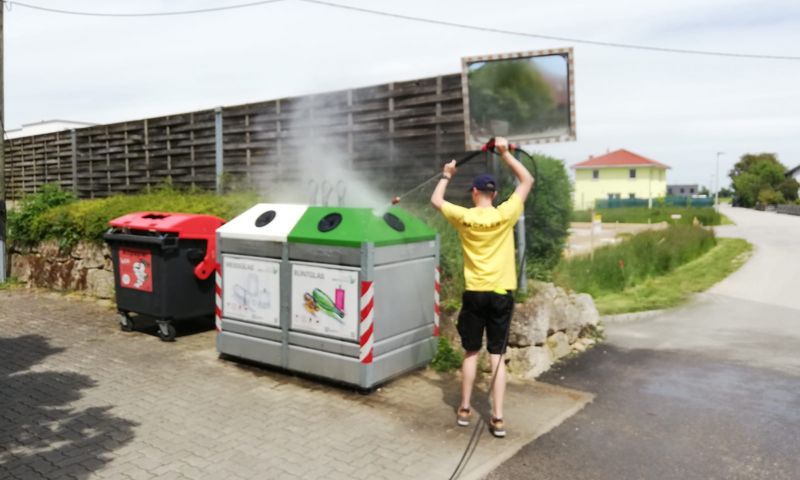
<point>163,266</point>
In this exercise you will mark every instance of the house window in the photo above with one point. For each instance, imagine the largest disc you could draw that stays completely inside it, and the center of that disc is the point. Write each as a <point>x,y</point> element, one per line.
<point>595,174</point>
<point>631,195</point>
<point>632,173</point>
<point>682,190</point>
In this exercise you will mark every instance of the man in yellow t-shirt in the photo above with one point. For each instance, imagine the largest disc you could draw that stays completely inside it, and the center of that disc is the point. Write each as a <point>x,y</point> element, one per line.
<point>487,241</point>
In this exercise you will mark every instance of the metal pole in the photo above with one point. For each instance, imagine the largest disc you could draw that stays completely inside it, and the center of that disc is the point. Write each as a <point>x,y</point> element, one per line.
<point>522,277</point>
<point>716,194</point>
<point>219,150</point>
<point>2,158</point>
<point>74,136</point>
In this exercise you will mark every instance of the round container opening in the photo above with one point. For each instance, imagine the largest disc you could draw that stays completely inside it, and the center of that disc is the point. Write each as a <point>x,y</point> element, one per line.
<point>329,222</point>
<point>265,218</point>
<point>394,222</point>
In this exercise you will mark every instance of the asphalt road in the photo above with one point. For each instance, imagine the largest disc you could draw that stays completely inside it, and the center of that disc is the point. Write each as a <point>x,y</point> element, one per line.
<point>707,391</point>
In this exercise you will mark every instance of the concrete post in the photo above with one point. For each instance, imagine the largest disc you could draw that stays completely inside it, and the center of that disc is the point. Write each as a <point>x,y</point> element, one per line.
<point>74,162</point>
<point>219,150</point>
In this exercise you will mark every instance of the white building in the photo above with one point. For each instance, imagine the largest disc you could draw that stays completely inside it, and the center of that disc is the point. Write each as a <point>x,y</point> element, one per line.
<point>45,126</point>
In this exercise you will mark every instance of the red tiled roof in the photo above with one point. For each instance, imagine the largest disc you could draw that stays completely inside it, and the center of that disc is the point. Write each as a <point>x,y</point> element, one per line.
<point>619,158</point>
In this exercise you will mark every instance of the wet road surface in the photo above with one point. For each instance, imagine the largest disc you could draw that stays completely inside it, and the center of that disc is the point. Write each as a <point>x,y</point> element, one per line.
<point>708,391</point>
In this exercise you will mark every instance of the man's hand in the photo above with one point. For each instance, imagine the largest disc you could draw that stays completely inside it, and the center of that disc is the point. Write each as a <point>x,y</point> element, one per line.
<point>501,145</point>
<point>437,198</point>
<point>523,175</point>
<point>449,168</point>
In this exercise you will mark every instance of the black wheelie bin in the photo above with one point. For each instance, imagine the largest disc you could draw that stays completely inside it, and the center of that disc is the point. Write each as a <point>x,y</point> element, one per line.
<point>163,267</point>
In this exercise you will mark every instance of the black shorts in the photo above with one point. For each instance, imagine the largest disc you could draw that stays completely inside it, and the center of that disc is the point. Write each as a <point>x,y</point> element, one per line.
<point>485,310</point>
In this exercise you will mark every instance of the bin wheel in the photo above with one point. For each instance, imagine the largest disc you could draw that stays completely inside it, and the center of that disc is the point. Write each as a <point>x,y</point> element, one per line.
<point>166,331</point>
<point>125,322</point>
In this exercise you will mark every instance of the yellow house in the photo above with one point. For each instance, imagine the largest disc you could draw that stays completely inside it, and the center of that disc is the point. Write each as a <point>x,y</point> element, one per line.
<point>618,174</point>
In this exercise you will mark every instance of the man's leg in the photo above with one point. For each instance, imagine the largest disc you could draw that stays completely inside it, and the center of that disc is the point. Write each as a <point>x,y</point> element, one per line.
<point>499,389</point>
<point>497,337</point>
<point>469,367</point>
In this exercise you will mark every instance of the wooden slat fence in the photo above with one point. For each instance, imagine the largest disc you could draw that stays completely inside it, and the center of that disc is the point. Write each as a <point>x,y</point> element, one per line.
<point>394,134</point>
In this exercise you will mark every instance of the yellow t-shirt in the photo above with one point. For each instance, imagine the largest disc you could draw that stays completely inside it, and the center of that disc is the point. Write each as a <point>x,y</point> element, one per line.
<point>487,240</point>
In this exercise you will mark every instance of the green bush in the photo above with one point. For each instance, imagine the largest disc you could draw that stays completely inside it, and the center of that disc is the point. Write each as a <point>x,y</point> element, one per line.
<point>451,259</point>
<point>547,216</point>
<point>52,214</point>
<point>646,255</point>
<point>768,196</point>
<point>705,215</point>
<point>447,358</point>
<point>26,225</point>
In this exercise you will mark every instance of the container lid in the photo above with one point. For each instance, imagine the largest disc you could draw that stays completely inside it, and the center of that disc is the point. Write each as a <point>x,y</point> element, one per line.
<point>350,227</point>
<point>265,222</point>
<point>186,225</point>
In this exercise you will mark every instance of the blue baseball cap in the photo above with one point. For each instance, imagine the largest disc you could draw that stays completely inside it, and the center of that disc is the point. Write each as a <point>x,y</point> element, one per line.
<point>485,183</point>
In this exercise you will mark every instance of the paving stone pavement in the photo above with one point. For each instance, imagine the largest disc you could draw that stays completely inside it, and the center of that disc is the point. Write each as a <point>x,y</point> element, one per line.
<point>80,399</point>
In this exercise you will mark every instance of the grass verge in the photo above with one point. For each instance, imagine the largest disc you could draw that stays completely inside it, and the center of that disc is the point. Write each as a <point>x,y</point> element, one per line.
<point>10,282</point>
<point>649,254</point>
<point>707,216</point>
<point>724,220</point>
<point>676,287</point>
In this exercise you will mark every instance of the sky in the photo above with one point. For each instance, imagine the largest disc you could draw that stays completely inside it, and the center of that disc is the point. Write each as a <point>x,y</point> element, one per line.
<point>677,109</point>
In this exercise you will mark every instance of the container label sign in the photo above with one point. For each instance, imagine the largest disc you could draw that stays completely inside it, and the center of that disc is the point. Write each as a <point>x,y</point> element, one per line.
<point>251,289</point>
<point>325,301</point>
<point>136,269</point>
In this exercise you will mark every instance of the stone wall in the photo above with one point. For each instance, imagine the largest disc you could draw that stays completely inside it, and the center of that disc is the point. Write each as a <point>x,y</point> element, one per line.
<point>86,268</point>
<point>550,325</point>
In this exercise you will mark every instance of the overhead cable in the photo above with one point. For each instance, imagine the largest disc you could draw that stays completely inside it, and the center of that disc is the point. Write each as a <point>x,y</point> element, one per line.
<point>431,21</point>
<point>551,37</point>
<point>143,14</point>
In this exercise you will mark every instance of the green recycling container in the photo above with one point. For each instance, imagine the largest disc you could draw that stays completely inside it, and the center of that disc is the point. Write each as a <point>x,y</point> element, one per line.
<point>363,303</point>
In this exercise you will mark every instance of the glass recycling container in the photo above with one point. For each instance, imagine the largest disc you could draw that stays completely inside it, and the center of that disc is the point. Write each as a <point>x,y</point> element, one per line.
<point>252,282</point>
<point>358,291</point>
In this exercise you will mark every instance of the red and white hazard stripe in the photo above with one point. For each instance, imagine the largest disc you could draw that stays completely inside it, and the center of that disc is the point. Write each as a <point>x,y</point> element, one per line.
<point>436,301</point>
<point>367,314</point>
<point>218,297</point>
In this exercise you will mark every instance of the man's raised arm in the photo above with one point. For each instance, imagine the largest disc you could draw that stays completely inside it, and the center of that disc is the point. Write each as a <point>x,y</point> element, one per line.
<point>525,178</point>
<point>437,198</point>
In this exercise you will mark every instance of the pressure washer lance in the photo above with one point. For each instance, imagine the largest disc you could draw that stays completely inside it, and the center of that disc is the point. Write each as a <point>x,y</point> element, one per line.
<point>487,147</point>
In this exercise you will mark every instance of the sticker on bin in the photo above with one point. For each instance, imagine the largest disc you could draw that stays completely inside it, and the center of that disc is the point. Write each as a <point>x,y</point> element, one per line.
<point>251,289</point>
<point>136,269</point>
<point>325,301</point>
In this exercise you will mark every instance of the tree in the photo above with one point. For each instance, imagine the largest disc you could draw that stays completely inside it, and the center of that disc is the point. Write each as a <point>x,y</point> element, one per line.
<point>768,196</point>
<point>788,188</point>
<point>758,178</point>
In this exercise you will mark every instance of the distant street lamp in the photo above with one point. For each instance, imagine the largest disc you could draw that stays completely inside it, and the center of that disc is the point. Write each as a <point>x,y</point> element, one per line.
<point>716,194</point>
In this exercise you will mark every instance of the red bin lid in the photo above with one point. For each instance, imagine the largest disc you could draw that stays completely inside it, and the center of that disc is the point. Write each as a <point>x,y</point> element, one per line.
<point>186,225</point>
